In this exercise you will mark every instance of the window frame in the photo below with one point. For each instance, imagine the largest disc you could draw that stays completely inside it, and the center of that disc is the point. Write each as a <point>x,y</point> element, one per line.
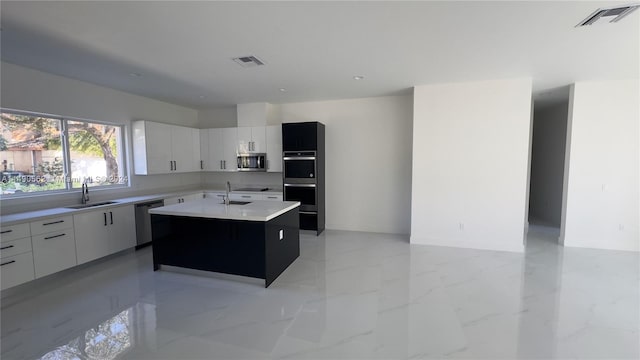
<point>66,154</point>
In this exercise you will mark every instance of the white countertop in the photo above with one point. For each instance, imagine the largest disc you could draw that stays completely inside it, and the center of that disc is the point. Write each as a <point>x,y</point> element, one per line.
<point>10,219</point>
<point>259,210</point>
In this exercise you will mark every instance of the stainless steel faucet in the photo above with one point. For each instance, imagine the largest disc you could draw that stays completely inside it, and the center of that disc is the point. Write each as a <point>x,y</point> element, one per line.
<point>226,198</point>
<point>85,191</point>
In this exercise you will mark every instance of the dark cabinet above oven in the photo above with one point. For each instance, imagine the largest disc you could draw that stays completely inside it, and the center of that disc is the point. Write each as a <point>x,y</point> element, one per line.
<point>300,136</point>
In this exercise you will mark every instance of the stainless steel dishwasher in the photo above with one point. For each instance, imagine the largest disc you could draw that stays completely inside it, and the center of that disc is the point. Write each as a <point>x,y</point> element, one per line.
<point>143,222</point>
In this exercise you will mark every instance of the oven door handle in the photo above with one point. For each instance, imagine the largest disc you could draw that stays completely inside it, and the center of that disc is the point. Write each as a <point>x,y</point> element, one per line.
<point>300,185</point>
<point>299,158</point>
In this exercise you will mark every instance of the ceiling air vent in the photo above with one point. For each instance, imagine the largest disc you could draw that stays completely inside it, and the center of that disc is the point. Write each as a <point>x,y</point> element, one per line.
<point>248,61</point>
<point>612,15</point>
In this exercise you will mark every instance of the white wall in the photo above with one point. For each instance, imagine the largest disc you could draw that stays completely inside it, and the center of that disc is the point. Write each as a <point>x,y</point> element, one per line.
<point>470,163</point>
<point>217,118</point>
<point>32,90</point>
<point>603,161</point>
<point>368,160</point>
<point>547,163</point>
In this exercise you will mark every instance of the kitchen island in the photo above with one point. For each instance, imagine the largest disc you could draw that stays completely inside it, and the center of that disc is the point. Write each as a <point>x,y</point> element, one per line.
<point>258,239</point>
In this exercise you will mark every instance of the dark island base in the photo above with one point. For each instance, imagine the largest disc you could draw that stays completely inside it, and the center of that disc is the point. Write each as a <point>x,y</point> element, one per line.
<point>247,248</point>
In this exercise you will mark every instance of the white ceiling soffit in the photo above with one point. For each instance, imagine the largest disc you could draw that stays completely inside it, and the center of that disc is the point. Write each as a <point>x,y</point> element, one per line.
<point>181,52</point>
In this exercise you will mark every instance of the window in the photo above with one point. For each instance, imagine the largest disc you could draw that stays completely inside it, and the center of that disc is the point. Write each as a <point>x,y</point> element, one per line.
<point>44,153</point>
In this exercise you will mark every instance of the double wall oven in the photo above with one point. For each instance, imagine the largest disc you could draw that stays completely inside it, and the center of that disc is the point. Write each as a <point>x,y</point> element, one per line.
<point>303,171</point>
<point>300,169</point>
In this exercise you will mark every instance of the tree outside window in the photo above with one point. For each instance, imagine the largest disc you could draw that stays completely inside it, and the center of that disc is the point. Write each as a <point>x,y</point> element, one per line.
<point>33,156</point>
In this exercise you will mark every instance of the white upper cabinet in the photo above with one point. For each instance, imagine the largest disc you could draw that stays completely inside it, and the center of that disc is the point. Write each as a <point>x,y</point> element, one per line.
<point>163,149</point>
<point>194,157</point>
<point>206,163</point>
<point>181,149</point>
<point>151,148</point>
<point>221,149</point>
<point>216,150</point>
<point>229,148</point>
<point>251,139</point>
<point>274,148</point>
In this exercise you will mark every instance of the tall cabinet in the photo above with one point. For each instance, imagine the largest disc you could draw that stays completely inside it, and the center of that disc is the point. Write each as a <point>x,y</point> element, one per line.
<point>303,146</point>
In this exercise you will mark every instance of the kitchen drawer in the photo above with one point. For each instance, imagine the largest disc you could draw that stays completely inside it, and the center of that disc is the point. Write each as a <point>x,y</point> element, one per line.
<point>214,195</point>
<point>273,197</point>
<point>16,270</point>
<point>51,224</point>
<point>53,252</point>
<point>12,248</point>
<point>14,232</point>
<point>244,197</point>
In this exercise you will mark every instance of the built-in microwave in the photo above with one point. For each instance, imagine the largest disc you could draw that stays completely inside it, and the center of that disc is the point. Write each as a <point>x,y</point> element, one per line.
<point>252,162</point>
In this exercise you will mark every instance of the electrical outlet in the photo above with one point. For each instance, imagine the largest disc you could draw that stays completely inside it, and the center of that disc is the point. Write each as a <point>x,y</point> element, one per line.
<point>461,226</point>
<point>281,234</point>
<point>621,227</point>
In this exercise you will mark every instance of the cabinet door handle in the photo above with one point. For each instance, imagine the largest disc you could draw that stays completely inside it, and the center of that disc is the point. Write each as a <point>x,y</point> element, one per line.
<point>55,236</point>
<point>224,163</point>
<point>7,263</point>
<point>201,165</point>
<point>5,231</point>
<point>6,247</point>
<point>105,218</point>
<point>175,165</point>
<point>53,222</point>
<point>170,165</point>
<point>111,214</point>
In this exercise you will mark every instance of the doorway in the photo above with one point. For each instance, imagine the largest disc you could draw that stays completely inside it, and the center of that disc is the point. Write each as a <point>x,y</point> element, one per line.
<point>548,146</point>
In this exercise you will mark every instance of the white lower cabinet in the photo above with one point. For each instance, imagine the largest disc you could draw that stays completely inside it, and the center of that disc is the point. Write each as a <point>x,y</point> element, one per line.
<point>245,197</point>
<point>103,232</point>
<point>273,197</point>
<point>53,252</point>
<point>16,269</point>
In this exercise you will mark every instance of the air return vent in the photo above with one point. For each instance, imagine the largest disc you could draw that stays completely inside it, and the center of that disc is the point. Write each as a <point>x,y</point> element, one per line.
<point>248,61</point>
<point>610,15</point>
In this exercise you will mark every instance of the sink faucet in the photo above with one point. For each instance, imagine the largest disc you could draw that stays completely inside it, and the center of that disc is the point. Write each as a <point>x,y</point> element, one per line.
<point>226,198</point>
<point>85,191</point>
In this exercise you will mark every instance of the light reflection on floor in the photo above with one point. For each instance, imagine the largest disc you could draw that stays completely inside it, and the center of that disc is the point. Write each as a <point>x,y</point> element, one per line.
<point>349,295</point>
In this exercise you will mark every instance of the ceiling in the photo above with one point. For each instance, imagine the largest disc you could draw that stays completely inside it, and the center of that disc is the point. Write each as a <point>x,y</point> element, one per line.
<point>182,50</point>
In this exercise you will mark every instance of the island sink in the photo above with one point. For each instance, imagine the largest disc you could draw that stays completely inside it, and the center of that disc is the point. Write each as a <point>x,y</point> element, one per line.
<point>232,202</point>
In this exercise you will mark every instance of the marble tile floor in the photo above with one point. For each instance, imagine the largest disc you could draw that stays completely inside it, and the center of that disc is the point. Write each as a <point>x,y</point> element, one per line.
<point>350,295</point>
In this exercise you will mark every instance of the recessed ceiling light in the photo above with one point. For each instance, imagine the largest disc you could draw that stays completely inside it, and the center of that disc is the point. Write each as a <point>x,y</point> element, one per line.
<point>358,77</point>
<point>283,90</point>
<point>135,74</point>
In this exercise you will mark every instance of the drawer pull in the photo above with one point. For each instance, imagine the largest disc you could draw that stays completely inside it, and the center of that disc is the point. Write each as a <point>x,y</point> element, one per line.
<point>272,197</point>
<point>246,196</point>
<point>54,236</point>
<point>5,231</point>
<point>7,263</point>
<point>105,218</point>
<point>53,222</point>
<point>6,247</point>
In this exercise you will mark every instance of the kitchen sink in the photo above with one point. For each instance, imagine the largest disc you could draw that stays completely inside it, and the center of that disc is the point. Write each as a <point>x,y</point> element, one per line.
<point>83,206</point>
<point>238,202</point>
